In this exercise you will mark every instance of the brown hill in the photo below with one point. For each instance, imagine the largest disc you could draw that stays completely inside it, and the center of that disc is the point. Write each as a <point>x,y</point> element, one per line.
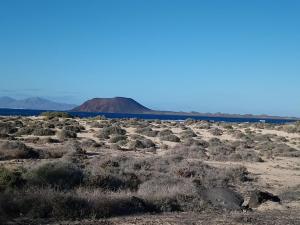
<point>112,105</point>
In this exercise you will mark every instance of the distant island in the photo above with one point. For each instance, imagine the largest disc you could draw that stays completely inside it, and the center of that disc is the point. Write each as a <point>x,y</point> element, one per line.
<point>130,106</point>
<point>35,103</point>
<point>113,105</point>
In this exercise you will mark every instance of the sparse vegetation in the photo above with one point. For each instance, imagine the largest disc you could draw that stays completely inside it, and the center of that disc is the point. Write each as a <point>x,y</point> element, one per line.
<point>133,168</point>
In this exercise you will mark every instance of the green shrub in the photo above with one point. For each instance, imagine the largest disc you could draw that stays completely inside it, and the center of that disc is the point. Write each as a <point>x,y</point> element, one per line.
<point>51,115</point>
<point>57,174</point>
<point>111,130</point>
<point>10,178</point>
<point>116,138</point>
<point>171,137</point>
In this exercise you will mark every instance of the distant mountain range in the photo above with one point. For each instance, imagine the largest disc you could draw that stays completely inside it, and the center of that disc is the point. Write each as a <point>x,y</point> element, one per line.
<point>34,103</point>
<point>112,105</point>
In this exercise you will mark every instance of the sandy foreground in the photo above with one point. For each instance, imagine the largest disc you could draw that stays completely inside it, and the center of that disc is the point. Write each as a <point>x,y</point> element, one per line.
<point>277,171</point>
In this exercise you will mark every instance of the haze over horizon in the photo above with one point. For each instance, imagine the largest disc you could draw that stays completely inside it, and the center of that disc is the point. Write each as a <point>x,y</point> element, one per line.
<point>207,56</point>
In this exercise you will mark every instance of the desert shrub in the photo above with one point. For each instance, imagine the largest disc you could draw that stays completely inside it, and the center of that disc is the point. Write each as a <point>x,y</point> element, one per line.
<point>114,182</point>
<point>291,194</point>
<point>47,140</point>
<point>171,137</point>
<point>60,175</point>
<point>48,203</point>
<point>238,134</point>
<point>270,149</point>
<point>221,150</point>
<point>165,132</point>
<point>216,131</point>
<point>43,132</point>
<point>246,155</point>
<point>65,134</point>
<point>281,139</point>
<point>169,195</point>
<point>144,143</point>
<point>136,137</point>
<point>96,124</point>
<point>215,142</point>
<point>51,115</point>
<point>10,178</point>
<point>49,125</point>
<point>74,128</point>
<point>188,134</point>
<point>7,128</point>
<point>204,125</point>
<point>222,177</point>
<point>90,143</point>
<point>16,150</point>
<point>197,142</point>
<point>32,140</point>
<point>227,126</point>
<point>147,131</point>
<point>191,151</point>
<point>116,138</point>
<point>189,121</point>
<point>261,138</point>
<point>25,131</point>
<point>111,130</point>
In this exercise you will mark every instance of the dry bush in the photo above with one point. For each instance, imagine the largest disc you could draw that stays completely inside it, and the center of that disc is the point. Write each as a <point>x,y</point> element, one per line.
<point>74,128</point>
<point>147,131</point>
<point>58,174</point>
<point>191,151</point>
<point>90,143</point>
<point>111,130</point>
<point>8,128</point>
<point>197,142</point>
<point>216,131</point>
<point>25,131</point>
<point>51,115</point>
<point>116,138</point>
<point>43,132</point>
<point>10,178</point>
<point>189,133</point>
<point>141,144</point>
<point>16,150</point>
<point>168,195</point>
<point>203,125</point>
<point>271,149</point>
<point>165,132</point>
<point>66,134</point>
<point>47,140</point>
<point>48,203</point>
<point>171,138</point>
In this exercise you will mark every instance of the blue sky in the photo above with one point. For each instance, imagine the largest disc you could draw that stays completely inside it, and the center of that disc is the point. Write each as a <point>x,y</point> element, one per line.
<point>208,56</point>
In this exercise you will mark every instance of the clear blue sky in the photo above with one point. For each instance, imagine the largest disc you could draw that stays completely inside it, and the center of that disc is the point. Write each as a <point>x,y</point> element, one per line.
<point>229,56</point>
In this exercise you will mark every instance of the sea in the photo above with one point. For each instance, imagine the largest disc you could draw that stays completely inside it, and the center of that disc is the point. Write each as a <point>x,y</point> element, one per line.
<point>28,112</point>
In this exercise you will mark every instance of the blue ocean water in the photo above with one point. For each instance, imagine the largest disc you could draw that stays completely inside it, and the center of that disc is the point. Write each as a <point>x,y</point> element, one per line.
<point>28,112</point>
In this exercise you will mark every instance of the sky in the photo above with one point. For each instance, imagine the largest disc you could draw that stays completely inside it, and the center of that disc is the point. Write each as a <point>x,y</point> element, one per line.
<point>231,56</point>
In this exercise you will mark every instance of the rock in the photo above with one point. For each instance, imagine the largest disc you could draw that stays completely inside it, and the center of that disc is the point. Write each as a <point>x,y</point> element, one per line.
<point>258,197</point>
<point>223,197</point>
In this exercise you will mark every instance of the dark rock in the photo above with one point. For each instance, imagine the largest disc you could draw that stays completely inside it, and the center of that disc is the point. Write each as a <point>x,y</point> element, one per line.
<point>258,197</point>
